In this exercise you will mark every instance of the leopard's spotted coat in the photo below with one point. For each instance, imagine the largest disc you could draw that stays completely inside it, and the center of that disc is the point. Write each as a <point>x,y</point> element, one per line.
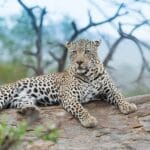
<point>80,83</point>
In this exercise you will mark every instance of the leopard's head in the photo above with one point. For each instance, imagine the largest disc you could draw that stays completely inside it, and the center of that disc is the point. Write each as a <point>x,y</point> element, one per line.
<point>83,55</point>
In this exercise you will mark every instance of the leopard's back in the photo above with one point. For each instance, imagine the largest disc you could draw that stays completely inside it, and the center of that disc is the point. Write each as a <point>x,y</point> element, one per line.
<point>43,89</point>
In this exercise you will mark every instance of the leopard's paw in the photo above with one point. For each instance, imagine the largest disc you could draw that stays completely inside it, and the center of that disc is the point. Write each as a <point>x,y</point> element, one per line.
<point>127,108</point>
<point>89,122</point>
<point>29,110</point>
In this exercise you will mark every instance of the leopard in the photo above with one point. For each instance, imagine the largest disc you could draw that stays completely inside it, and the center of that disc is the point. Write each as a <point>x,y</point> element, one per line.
<point>82,81</point>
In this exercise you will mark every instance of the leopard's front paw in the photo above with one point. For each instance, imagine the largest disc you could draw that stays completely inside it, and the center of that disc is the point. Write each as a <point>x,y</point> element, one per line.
<point>29,110</point>
<point>89,122</point>
<point>127,108</point>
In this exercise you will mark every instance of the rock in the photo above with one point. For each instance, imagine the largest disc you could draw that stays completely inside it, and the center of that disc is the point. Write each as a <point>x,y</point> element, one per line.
<point>39,145</point>
<point>115,131</point>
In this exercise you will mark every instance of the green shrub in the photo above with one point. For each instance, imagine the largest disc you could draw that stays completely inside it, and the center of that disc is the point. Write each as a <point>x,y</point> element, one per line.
<point>50,134</point>
<point>11,72</point>
<point>11,136</point>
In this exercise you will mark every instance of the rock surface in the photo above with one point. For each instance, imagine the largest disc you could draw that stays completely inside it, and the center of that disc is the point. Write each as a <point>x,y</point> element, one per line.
<point>115,131</point>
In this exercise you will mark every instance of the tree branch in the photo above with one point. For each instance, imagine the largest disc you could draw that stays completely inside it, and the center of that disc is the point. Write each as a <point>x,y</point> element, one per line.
<point>43,12</point>
<point>30,13</point>
<point>53,56</point>
<point>112,51</point>
<point>74,26</point>
<point>38,30</point>
<point>145,45</point>
<point>137,42</point>
<point>92,24</point>
<point>101,12</point>
<point>139,25</point>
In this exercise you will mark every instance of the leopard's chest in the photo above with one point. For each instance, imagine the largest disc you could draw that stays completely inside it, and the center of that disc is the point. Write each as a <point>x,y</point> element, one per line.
<point>91,91</point>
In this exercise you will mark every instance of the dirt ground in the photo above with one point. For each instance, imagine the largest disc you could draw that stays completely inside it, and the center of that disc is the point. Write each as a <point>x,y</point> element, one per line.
<point>115,131</point>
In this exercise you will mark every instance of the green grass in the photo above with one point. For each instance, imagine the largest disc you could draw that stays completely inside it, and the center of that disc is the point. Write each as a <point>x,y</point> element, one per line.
<point>50,134</point>
<point>11,72</point>
<point>11,137</point>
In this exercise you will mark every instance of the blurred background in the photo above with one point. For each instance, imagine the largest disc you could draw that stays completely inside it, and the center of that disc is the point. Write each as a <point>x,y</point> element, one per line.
<point>33,34</point>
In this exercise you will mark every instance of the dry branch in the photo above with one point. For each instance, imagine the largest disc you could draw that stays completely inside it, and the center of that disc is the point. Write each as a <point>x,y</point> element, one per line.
<point>38,30</point>
<point>130,36</point>
<point>77,32</point>
<point>112,51</point>
<point>91,23</point>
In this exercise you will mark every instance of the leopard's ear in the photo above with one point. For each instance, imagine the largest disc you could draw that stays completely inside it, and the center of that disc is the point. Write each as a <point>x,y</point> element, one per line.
<point>97,43</point>
<point>68,45</point>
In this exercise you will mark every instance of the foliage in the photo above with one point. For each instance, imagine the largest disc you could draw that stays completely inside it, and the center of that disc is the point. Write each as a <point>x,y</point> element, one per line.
<point>17,35</point>
<point>22,27</point>
<point>10,136</point>
<point>19,39</point>
<point>11,72</point>
<point>51,134</point>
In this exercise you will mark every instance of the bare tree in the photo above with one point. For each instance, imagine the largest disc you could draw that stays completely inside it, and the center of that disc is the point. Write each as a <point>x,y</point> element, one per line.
<point>62,60</point>
<point>130,36</point>
<point>123,35</point>
<point>37,27</point>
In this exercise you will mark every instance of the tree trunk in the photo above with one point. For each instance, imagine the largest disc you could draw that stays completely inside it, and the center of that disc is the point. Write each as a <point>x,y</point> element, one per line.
<point>40,70</point>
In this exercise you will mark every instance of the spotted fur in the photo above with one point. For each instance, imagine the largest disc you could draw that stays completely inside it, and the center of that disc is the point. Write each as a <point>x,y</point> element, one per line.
<point>85,79</point>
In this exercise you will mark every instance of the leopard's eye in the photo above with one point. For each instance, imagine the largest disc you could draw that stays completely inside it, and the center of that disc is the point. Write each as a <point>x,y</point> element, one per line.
<point>74,52</point>
<point>87,51</point>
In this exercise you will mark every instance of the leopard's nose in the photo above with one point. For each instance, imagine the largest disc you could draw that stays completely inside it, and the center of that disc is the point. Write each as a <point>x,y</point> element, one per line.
<point>79,62</point>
